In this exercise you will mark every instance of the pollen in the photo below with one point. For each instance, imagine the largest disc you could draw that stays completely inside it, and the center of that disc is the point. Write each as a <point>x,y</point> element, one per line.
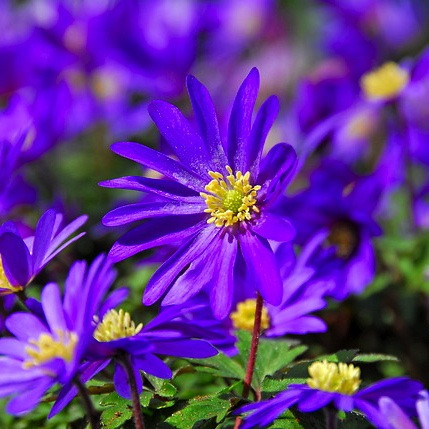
<point>384,82</point>
<point>231,199</point>
<point>46,348</point>
<point>333,377</point>
<point>115,325</point>
<point>244,316</point>
<point>5,287</point>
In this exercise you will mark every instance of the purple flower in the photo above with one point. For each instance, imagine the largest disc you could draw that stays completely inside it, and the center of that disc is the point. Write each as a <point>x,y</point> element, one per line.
<point>115,336</point>
<point>396,418</point>
<point>45,349</point>
<point>334,384</point>
<point>22,259</point>
<point>338,208</point>
<point>216,200</point>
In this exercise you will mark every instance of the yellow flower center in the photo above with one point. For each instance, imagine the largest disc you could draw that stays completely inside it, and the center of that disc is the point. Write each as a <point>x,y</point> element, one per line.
<point>344,236</point>
<point>232,200</point>
<point>361,126</point>
<point>244,316</point>
<point>385,82</point>
<point>116,325</point>
<point>333,377</point>
<point>5,284</point>
<point>46,348</point>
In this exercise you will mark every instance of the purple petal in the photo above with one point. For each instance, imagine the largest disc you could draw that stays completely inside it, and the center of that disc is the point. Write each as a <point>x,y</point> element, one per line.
<point>422,406</point>
<point>185,142</point>
<point>53,307</point>
<point>314,400</point>
<point>207,122</point>
<point>161,163</point>
<point>223,278</point>
<point>273,227</point>
<point>120,380</point>
<point>155,232</point>
<point>42,237</point>
<point>113,300</point>
<point>264,121</point>
<point>16,259</point>
<point>262,267</point>
<point>25,326</point>
<point>29,399</point>
<point>13,347</point>
<point>152,365</point>
<point>170,269</point>
<point>395,417</point>
<point>277,169</point>
<point>240,121</point>
<point>164,188</point>
<point>132,212</point>
<point>185,348</point>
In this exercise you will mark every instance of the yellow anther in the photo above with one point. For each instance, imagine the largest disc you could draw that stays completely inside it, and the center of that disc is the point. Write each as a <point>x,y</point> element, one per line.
<point>244,316</point>
<point>5,287</point>
<point>384,82</point>
<point>46,348</point>
<point>116,325</point>
<point>232,200</point>
<point>333,377</point>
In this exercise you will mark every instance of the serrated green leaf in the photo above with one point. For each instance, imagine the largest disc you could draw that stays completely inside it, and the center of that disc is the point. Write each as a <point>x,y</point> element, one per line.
<point>220,365</point>
<point>199,409</point>
<point>162,387</point>
<point>118,410</point>
<point>374,357</point>
<point>272,385</point>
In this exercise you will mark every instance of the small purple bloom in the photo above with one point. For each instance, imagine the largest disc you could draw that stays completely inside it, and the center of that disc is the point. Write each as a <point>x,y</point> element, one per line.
<point>337,385</point>
<point>216,200</point>
<point>23,258</point>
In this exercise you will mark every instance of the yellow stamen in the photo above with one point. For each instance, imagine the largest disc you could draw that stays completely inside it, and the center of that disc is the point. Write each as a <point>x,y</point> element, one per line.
<point>116,325</point>
<point>384,82</point>
<point>46,348</point>
<point>333,377</point>
<point>104,84</point>
<point>232,200</point>
<point>244,316</point>
<point>5,287</point>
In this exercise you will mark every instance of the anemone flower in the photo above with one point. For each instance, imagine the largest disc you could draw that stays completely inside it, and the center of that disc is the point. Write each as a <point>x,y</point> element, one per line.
<point>337,385</point>
<point>21,259</point>
<point>215,199</point>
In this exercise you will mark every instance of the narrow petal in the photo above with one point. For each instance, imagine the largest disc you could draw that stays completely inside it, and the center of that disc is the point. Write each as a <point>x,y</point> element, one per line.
<point>207,122</point>
<point>264,121</point>
<point>223,278</point>
<point>185,348</point>
<point>396,418</point>
<point>120,380</point>
<point>262,267</point>
<point>157,161</point>
<point>185,142</point>
<point>16,259</point>
<point>240,121</point>
<point>155,232</point>
<point>152,365</point>
<point>25,326</point>
<point>164,188</point>
<point>422,406</point>
<point>314,400</point>
<point>53,308</point>
<point>273,227</point>
<point>13,347</point>
<point>170,269</point>
<point>42,237</point>
<point>133,212</point>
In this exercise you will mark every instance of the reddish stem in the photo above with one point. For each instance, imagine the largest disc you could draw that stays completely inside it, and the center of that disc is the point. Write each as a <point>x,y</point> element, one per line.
<point>252,354</point>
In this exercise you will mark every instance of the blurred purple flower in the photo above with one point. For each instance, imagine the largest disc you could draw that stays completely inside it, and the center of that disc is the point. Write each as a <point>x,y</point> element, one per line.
<point>224,227</point>
<point>22,259</point>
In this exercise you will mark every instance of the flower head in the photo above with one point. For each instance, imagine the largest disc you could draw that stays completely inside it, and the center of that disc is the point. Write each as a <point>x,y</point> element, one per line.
<point>22,259</point>
<point>216,200</point>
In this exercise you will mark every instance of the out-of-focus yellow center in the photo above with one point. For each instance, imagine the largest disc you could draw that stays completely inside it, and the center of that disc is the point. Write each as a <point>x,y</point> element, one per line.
<point>384,82</point>
<point>46,348</point>
<point>5,287</point>
<point>104,85</point>
<point>333,377</point>
<point>232,200</point>
<point>244,316</point>
<point>344,236</point>
<point>115,325</point>
<point>360,126</point>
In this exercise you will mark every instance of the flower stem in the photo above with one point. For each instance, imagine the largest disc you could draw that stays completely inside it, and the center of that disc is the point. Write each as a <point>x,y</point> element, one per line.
<point>137,409</point>
<point>90,410</point>
<point>253,352</point>
<point>330,417</point>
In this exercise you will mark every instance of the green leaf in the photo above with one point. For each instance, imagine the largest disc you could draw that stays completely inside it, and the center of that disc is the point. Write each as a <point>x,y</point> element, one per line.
<point>199,409</point>
<point>118,411</point>
<point>272,385</point>
<point>374,357</point>
<point>162,387</point>
<point>220,365</point>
